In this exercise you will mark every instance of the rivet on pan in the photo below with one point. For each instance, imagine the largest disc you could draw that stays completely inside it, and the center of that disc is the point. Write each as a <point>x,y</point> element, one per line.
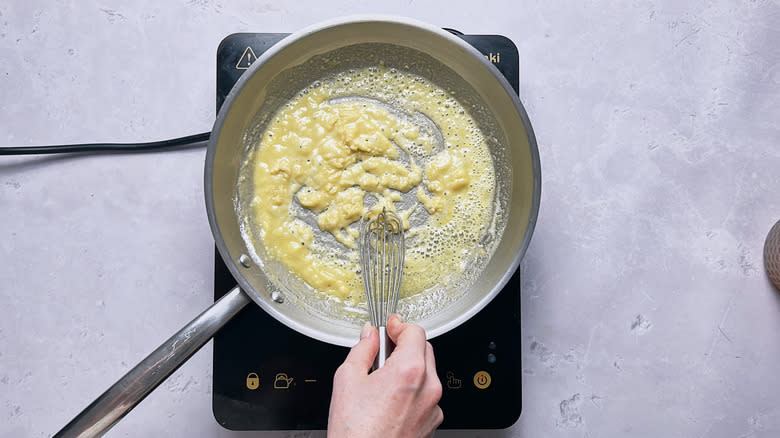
<point>277,297</point>
<point>245,261</point>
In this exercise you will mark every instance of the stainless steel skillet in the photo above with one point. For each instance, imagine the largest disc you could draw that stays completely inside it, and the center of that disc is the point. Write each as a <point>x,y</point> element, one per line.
<point>274,78</point>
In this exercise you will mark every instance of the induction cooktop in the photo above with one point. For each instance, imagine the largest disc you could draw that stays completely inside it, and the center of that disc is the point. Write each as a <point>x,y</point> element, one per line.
<point>269,377</point>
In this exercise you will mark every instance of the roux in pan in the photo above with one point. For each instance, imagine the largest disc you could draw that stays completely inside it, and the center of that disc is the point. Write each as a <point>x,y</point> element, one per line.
<point>357,142</point>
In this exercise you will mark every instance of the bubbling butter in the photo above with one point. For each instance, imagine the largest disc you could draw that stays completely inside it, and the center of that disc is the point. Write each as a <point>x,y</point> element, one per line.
<point>359,141</point>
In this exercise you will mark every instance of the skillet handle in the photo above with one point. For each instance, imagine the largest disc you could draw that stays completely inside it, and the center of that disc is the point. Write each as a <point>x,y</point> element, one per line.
<point>119,399</point>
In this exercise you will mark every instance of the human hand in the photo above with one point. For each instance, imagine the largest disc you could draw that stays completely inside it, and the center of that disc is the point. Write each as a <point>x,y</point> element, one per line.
<point>398,400</point>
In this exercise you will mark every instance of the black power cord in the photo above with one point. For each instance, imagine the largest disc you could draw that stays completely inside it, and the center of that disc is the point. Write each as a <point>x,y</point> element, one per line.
<point>107,147</point>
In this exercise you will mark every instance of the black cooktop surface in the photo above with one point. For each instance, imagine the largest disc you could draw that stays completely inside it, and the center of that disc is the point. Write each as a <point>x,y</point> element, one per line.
<point>269,377</point>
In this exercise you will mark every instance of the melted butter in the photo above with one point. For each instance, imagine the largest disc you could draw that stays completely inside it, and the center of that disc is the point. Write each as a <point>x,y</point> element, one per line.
<point>343,158</point>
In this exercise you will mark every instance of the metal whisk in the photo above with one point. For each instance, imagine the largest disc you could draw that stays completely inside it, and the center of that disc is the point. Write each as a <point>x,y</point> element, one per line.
<point>382,263</point>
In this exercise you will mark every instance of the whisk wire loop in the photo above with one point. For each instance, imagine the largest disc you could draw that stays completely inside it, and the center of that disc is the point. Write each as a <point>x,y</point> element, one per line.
<point>382,257</point>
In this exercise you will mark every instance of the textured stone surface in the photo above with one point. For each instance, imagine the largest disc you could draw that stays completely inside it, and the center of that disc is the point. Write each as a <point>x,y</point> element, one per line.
<point>646,307</point>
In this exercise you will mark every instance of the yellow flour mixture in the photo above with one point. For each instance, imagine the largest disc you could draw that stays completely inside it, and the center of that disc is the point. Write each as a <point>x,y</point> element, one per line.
<point>359,141</point>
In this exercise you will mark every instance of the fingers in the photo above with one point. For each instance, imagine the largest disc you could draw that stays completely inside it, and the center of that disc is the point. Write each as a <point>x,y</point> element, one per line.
<point>430,360</point>
<point>394,324</point>
<point>432,389</point>
<point>432,384</point>
<point>432,381</point>
<point>362,355</point>
<point>409,339</point>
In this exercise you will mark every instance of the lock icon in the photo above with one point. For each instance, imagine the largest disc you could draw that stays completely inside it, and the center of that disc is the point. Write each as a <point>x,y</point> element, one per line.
<point>252,381</point>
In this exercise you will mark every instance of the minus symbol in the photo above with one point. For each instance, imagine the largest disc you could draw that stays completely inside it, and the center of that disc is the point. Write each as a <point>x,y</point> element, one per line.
<point>310,381</point>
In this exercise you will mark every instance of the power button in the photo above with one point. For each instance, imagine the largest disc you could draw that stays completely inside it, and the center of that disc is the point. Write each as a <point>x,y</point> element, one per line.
<point>482,379</point>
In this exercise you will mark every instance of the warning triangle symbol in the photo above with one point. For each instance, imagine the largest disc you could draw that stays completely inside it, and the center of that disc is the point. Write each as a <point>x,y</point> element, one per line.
<point>247,58</point>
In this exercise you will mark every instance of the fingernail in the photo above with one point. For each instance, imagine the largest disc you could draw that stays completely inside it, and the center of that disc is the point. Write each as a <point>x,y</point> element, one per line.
<point>365,331</point>
<point>401,320</point>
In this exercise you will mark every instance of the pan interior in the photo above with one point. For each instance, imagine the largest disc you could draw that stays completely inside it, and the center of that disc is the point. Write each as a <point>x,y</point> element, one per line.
<point>285,86</point>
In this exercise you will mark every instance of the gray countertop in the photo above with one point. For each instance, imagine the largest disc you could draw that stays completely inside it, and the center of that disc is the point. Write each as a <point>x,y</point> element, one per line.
<point>645,307</point>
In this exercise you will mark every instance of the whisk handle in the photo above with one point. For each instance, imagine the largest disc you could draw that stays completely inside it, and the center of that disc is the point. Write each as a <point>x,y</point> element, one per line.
<point>385,348</point>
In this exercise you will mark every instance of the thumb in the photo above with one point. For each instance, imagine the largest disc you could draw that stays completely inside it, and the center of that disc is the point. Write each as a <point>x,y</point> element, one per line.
<point>362,355</point>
